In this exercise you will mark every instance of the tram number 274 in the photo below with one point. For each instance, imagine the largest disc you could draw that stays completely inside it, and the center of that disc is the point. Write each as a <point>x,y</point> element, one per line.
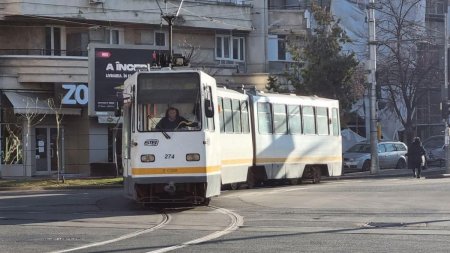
<point>169,156</point>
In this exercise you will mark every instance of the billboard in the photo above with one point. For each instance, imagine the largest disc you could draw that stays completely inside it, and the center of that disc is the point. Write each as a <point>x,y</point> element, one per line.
<point>110,66</point>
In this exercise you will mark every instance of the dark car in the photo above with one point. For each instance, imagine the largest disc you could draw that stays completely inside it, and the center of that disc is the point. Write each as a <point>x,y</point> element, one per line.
<point>391,154</point>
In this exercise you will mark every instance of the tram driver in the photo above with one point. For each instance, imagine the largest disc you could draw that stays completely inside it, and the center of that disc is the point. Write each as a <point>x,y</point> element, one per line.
<point>173,121</point>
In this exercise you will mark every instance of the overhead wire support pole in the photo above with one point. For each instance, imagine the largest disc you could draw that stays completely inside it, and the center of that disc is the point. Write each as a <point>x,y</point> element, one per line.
<point>372,64</point>
<point>445,92</point>
<point>170,18</point>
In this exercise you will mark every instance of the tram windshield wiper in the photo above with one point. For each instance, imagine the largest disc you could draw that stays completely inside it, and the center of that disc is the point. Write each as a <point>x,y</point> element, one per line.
<point>165,134</point>
<point>159,128</point>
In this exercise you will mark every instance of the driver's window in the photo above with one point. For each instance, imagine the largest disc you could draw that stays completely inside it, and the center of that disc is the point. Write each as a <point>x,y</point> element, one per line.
<point>381,148</point>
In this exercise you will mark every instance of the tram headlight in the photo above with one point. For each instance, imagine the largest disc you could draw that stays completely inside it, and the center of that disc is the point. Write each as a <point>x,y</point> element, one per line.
<point>147,158</point>
<point>192,157</point>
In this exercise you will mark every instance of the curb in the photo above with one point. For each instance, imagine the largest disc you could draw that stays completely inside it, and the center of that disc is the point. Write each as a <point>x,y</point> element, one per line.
<point>389,173</point>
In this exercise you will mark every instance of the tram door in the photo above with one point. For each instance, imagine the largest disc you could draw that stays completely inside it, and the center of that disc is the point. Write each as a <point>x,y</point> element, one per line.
<point>45,155</point>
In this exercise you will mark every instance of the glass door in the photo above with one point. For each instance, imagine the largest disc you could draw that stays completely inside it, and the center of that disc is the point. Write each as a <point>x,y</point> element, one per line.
<point>41,150</point>
<point>46,150</point>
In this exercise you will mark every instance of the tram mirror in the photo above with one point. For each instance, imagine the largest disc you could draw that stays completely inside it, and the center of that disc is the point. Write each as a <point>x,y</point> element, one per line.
<point>118,109</point>
<point>209,108</point>
<point>118,112</point>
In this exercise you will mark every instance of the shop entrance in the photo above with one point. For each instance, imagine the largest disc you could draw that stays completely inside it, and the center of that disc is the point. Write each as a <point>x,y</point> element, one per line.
<point>45,155</point>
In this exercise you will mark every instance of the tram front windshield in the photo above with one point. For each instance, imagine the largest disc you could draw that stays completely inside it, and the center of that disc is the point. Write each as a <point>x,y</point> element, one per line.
<point>160,93</point>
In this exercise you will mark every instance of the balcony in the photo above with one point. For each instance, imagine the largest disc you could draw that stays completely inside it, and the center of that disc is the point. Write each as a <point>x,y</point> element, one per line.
<point>44,69</point>
<point>42,51</point>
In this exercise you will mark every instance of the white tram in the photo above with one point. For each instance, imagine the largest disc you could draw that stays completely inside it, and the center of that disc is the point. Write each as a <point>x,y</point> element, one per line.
<point>233,137</point>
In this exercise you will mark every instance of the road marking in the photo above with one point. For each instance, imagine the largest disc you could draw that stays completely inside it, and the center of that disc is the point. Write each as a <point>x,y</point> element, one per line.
<point>237,221</point>
<point>31,196</point>
<point>166,219</point>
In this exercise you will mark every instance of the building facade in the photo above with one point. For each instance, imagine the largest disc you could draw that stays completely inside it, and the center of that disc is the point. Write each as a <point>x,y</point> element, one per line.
<point>46,126</point>
<point>429,118</point>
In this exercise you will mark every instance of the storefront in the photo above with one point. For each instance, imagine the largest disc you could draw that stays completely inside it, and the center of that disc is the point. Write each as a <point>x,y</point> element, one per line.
<point>37,134</point>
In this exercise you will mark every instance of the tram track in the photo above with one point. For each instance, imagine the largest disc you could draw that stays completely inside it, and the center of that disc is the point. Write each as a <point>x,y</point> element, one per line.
<point>166,218</point>
<point>236,222</point>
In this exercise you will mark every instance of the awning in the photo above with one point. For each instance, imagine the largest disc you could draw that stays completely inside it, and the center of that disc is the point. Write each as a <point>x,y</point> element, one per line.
<point>26,103</point>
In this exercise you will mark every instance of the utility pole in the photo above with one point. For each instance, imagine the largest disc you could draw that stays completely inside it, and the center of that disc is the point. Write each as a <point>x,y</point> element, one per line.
<point>372,64</point>
<point>445,92</point>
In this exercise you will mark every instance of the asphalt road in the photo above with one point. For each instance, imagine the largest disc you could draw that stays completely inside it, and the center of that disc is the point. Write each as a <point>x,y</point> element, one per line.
<point>359,214</point>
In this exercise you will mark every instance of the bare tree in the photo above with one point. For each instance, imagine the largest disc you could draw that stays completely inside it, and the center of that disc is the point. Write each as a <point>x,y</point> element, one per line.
<point>401,72</point>
<point>33,116</point>
<point>56,108</point>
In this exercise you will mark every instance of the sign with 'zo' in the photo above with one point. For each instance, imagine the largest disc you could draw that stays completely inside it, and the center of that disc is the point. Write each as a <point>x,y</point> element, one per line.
<point>75,94</point>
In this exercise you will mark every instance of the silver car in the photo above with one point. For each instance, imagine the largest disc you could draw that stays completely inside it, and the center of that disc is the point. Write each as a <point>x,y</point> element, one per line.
<point>435,148</point>
<point>391,154</point>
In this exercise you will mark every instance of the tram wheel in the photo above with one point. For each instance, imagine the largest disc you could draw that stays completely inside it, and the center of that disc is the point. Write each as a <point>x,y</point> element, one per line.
<point>294,181</point>
<point>234,186</point>
<point>317,174</point>
<point>206,201</point>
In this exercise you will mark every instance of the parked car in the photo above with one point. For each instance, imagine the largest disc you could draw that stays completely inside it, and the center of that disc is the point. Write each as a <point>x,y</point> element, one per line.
<point>391,154</point>
<point>435,148</point>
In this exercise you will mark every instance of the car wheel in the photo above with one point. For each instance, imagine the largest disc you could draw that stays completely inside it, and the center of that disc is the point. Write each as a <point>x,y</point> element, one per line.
<point>366,165</point>
<point>401,164</point>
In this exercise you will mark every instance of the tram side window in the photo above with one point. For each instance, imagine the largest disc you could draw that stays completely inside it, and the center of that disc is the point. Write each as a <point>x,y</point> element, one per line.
<point>264,118</point>
<point>236,116</point>
<point>244,117</point>
<point>322,121</point>
<point>335,121</point>
<point>228,115</point>
<point>221,115</point>
<point>309,124</point>
<point>294,119</point>
<point>279,119</point>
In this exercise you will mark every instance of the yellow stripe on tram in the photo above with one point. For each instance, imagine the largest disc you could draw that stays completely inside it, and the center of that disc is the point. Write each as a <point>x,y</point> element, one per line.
<point>304,159</point>
<point>237,161</point>
<point>175,170</point>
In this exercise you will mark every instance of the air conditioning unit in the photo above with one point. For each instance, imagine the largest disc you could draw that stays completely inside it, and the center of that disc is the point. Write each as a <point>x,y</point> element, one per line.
<point>96,1</point>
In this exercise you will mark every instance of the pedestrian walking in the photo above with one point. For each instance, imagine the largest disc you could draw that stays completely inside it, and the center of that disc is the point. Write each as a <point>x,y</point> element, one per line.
<point>415,154</point>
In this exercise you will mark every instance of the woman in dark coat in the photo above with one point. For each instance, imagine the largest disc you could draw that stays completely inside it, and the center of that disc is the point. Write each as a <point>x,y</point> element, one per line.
<point>415,153</point>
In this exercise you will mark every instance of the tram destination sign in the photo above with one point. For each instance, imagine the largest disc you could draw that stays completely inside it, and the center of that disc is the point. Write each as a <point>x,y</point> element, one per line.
<point>109,67</point>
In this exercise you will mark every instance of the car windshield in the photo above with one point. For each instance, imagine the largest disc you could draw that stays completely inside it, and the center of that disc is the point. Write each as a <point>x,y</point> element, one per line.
<point>360,148</point>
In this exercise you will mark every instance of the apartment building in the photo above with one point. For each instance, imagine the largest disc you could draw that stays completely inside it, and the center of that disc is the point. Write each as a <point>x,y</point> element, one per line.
<point>429,118</point>
<point>44,52</point>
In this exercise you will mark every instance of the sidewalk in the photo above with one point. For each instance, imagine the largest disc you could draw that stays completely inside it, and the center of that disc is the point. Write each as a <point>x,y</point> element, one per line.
<point>431,172</point>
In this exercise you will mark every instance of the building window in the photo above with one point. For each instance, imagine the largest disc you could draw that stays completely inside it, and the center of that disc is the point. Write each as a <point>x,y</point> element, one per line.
<point>278,50</point>
<point>287,4</point>
<point>230,48</point>
<point>160,39</point>
<point>435,7</point>
<point>52,40</point>
<point>112,36</point>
